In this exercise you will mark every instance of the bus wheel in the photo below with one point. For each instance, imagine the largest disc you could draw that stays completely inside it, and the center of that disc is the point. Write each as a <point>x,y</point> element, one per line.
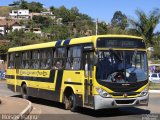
<point>24,91</point>
<point>70,102</point>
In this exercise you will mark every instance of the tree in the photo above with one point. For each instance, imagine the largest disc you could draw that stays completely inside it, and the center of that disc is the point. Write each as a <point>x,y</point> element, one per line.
<point>63,13</point>
<point>35,7</point>
<point>119,20</point>
<point>42,21</point>
<point>52,9</point>
<point>146,24</point>
<point>23,5</point>
<point>75,10</point>
<point>102,28</point>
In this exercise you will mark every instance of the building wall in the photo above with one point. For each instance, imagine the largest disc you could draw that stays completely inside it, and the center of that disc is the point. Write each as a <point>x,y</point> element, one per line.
<point>19,14</point>
<point>17,27</point>
<point>2,30</point>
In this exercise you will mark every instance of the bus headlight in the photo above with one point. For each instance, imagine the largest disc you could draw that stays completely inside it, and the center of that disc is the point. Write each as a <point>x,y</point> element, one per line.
<point>102,92</point>
<point>144,92</point>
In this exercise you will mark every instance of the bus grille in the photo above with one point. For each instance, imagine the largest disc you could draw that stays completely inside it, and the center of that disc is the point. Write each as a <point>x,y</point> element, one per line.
<point>122,93</point>
<point>125,101</point>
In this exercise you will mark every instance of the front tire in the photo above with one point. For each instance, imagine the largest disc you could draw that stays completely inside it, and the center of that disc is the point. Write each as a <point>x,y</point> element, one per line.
<point>70,102</point>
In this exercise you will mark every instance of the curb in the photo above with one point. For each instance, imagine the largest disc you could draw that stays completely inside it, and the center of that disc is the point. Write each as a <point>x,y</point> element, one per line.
<point>154,91</point>
<point>25,112</point>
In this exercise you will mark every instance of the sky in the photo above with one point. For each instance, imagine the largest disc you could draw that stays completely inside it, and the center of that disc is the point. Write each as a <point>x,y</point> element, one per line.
<point>101,9</point>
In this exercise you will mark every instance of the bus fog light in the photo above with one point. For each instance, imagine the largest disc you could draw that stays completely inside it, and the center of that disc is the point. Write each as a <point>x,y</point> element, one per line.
<point>144,92</point>
<point>143,101</point>
<point>102,92</point>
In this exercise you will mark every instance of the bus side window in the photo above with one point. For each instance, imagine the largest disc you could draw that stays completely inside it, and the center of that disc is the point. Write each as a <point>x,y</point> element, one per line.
<point>46,58</point>
<point>11,60</point>
<point>26,59</point>
<point>59,58</point>
<point>35,62</point>
<point>18,59</point>
<point>73,61</point>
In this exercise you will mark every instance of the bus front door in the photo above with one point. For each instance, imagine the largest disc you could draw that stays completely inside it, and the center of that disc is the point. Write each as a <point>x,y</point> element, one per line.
<point>88,81</point>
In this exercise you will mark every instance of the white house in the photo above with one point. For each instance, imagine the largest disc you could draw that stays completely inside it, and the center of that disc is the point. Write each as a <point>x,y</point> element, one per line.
<point>2,30</point>
<point>46,13</point>
<point>19,14</point>
<point>37,31</point>
<point>9,25</point>
<point>34,30</point>
<point>17,26</point>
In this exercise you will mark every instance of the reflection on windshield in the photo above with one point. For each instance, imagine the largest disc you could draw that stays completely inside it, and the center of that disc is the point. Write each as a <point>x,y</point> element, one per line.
<point>121,66</point>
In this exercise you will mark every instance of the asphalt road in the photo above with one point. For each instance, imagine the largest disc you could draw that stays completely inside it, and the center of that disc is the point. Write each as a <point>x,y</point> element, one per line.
<point>47,110</point>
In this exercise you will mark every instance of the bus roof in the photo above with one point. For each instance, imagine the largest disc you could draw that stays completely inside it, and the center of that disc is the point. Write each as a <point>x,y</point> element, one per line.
<point>65,42</point>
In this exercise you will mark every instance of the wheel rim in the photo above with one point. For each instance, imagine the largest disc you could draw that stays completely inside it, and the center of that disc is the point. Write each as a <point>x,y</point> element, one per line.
<point>24,92</point>
<point>71,101</point>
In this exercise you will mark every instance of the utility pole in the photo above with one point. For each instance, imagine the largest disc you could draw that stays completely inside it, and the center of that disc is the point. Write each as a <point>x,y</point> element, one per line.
<point>97,26</point>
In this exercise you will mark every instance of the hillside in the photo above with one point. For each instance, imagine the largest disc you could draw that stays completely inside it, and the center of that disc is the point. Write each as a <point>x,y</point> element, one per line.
<point>5,10</point>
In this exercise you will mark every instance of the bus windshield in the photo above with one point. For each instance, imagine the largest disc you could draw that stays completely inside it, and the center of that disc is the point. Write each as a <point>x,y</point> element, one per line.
<point>122,66</point>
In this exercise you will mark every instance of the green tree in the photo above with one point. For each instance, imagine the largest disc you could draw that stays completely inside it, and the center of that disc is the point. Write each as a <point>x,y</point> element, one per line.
<point>52,9</point>
<point>43,21</point>
<point>119,20</point>
<point>60,32</point>
<point>102,28</point>
<point>63,13</point>
<point>146,24</point>
<point>23,5</point>
<point>75,10</point>
<point>35,7</point>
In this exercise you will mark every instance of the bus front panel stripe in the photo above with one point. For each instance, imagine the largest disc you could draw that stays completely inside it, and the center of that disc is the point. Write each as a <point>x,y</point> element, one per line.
<point>66,42</point>
<point>58,43</point>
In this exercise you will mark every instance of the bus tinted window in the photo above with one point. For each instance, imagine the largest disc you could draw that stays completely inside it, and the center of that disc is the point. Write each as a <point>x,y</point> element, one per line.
<point>26,59</point>
<point>59,58</point>
<point>73,58</point>
<point>11,60</point>
<point>46,58</point>
<point>35,62</point>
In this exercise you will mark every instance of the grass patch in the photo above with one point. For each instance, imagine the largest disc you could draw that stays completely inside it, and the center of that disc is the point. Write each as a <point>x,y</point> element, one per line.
<point>154,86</point>
<point>5,10</point>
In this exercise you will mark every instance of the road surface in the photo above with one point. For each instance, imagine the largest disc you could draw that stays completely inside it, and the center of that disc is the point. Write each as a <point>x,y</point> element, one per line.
<point>44,109</point>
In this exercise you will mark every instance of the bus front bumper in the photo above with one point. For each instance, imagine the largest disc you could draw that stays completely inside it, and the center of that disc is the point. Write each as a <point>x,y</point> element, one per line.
<point>102,103</point>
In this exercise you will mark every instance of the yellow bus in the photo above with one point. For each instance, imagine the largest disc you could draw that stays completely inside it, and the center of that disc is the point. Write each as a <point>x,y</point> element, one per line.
<point>103,71</point>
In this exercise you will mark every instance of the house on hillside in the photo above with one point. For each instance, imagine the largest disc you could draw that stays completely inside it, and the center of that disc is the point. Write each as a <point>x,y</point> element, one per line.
<point>37,31</point>
<point>17,26</point>
<point>9,25</point>
<point>34,30</point>
<point>19,14</point>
